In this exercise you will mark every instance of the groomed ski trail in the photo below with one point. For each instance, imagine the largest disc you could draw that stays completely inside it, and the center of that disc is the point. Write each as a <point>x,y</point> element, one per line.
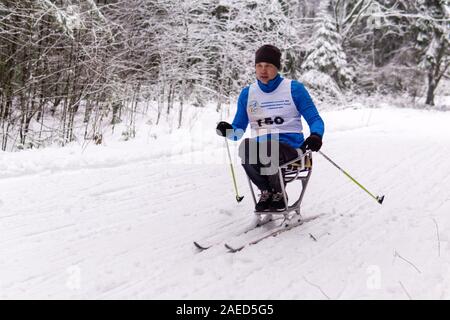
<point>127,231</point>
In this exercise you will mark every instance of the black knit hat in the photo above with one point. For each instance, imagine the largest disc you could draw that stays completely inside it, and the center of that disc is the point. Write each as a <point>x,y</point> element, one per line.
<point>270,54</point>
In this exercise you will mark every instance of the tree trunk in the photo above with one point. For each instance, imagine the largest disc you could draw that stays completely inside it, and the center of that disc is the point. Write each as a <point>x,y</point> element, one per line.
<point>160,100</point>
<point>5,136</point>
<point>180,112</point>
<point>431,88</point>
<point>170,97</point>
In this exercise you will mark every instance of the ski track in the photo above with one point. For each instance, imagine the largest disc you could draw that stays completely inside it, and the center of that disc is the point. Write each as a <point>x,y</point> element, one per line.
<point>126,230</point>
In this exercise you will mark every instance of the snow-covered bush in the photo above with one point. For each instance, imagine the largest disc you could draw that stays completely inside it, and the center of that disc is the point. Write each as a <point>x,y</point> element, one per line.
<point>321,86</point>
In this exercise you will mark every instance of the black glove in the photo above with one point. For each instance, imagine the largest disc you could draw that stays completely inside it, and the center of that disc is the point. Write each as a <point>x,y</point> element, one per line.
<point>313,143</point>
<point>222,128</point>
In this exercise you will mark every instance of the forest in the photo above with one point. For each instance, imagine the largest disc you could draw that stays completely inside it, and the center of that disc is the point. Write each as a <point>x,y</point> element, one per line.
<point>70,68</point>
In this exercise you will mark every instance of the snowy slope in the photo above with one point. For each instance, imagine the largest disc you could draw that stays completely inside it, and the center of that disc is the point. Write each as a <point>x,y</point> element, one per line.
<point>119,221</point>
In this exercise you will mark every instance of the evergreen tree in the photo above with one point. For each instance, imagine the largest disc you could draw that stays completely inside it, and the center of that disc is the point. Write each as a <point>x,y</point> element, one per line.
<point>326,54</point>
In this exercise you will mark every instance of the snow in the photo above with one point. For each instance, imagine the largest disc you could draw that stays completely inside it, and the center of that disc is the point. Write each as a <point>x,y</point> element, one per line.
<point>118,220</point>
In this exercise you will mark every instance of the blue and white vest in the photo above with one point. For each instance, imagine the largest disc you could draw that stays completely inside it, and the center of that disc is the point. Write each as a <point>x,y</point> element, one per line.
<point>273,112</point>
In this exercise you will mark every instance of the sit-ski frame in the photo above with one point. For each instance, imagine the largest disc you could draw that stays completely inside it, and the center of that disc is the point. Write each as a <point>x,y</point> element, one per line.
<point>299,168</point>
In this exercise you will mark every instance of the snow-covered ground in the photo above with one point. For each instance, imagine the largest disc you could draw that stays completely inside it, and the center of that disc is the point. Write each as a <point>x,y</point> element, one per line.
<point>118,221</point>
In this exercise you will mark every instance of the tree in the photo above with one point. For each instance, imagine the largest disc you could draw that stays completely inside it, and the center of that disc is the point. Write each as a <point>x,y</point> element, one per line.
<point>326,54</point>
<point>433,42</point>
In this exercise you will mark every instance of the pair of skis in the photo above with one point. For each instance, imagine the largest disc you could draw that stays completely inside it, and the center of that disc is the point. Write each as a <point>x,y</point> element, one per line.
<point>203,247</point>
<point>273,232</point>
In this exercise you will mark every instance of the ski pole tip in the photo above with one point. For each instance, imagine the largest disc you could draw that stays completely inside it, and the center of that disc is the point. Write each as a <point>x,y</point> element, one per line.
<point>380,199</point>
<point>239,199</point>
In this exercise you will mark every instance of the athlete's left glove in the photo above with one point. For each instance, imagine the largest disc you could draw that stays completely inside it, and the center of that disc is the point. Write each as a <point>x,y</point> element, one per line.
<point>313,143</point>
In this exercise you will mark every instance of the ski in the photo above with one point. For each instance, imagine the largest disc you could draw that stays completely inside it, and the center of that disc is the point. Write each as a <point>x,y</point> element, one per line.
<point>271,233</point>
<point>202,247</point>
<point>232,249</point>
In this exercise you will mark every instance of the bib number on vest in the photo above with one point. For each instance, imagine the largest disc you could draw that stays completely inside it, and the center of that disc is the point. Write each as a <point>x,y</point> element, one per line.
<point>269,121</point>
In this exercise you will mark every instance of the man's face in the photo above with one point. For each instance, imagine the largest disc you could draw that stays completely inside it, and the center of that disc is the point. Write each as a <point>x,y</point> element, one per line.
<point>265,72</point>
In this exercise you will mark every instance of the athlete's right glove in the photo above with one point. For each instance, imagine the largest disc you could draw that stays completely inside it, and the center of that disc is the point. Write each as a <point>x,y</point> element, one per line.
<point>222,128</point>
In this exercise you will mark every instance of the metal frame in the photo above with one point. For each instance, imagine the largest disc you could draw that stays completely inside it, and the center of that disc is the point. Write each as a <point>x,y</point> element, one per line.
<point>298,169</point>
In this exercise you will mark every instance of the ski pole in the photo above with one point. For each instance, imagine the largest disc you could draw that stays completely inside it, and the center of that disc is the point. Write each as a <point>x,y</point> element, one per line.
<point>377,198</point>
<point>238,198</point>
